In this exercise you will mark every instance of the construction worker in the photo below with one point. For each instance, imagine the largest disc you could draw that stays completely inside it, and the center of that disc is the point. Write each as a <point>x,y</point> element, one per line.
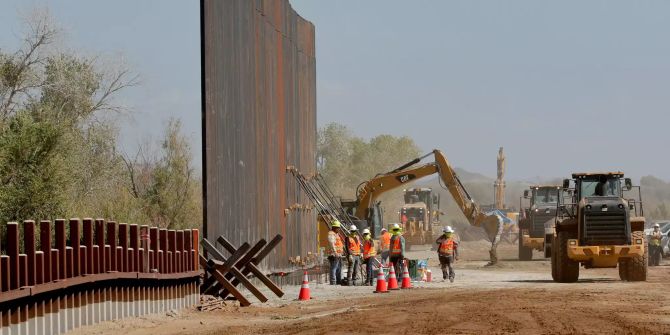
<point>655,246</point>
<point>385,245</point>
<point>353,244</point>
<point>447,251</point>
<point>335,251</point>
<point>369,254</point>
<point>397,252</point>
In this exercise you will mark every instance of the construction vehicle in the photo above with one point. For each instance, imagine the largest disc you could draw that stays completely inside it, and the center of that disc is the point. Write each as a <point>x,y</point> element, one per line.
<point>366,205</point>
<point>599,229</point>
<point>426,196</point>
<point>416,224</point>
<point>419,214</point>
<point>537,221</point>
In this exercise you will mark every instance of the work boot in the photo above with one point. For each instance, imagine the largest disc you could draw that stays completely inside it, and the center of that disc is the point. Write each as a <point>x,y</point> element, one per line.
<point>451,278</point>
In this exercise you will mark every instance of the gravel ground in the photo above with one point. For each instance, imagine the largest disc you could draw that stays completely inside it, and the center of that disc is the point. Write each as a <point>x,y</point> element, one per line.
<point>511,297</point>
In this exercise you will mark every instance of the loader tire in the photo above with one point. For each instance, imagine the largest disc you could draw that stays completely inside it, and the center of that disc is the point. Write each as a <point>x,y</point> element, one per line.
<point>637,266</point>
<point>525,254</point>
<point>547,252</point>
<point>623,268</point>
<point>554,271</point>
<point>567,270</point>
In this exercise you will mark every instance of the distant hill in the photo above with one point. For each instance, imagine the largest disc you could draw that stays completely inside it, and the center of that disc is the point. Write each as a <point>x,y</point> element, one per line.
<point>472,176</point>
<point>655,194</point>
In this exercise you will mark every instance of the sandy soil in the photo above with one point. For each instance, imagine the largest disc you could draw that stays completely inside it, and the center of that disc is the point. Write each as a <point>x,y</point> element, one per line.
<point>512,297</point>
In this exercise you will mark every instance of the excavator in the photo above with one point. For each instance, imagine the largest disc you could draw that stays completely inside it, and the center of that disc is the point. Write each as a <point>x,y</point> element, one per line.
<point>366,205</point>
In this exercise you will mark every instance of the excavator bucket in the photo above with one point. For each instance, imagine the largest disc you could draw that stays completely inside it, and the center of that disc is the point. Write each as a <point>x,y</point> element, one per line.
<point>492,225</point>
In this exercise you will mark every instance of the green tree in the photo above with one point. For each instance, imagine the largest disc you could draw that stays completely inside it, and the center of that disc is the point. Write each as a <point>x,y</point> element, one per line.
<point>172,187</point>
<point>166,186</point>
<point>334,150</point>
<point>345,161</point>
<point>32,182</point>
<point>58,150</point>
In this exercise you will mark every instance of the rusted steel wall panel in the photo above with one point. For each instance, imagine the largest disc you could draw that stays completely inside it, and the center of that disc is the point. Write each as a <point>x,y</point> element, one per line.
<point>260,117</point>
<point>71,287</point>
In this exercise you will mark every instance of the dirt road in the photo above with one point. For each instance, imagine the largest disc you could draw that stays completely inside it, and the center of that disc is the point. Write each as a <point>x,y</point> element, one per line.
<point>514,297</point>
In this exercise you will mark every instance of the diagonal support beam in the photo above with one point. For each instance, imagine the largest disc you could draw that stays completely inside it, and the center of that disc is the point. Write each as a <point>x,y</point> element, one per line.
<point>261,255</point>
<point>250,266</point>
<point>211,285</point>
<point>222,279</point>
<point>225,266</point>
<point>230,262</point>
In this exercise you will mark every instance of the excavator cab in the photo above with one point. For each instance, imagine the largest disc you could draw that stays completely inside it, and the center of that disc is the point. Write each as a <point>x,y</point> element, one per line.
<point>375,219</point>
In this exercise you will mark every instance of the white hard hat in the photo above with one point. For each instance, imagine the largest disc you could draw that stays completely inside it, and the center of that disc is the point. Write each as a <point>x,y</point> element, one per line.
<point>656,225</point>
<point>366,231</point>
<point>353,228</point>
<point>395,226</point>
<point>384,229</point>
<point>447,229</point>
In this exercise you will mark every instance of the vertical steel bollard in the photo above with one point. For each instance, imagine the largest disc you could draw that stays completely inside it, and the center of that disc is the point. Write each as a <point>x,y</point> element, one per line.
<point>29,250</point>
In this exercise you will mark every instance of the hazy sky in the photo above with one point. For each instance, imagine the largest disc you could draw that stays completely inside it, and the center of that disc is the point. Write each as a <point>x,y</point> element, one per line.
<point>563,86</point>
<point>158,39</point>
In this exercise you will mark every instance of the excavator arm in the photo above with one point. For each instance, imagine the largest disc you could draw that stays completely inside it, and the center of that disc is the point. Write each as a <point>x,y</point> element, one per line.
<point>370,190</point>
<point>491,223</point>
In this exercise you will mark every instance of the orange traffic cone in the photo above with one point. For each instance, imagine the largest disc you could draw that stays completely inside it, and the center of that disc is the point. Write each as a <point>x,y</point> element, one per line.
<point>406,282</point>
<point>429,276</point>
<point>393,281</point>
<point>381,282</point>
<point>304,289</point>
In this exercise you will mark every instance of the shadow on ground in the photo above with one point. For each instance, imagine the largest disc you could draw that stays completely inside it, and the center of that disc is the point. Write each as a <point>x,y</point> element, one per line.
<point>547,281</point>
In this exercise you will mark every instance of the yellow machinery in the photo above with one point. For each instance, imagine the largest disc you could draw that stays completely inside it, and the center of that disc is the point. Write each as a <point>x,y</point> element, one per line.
<point>369,191</point>
<point>419,215</point>
<point>416,223</point>
<point>600,228</point>
<point>536,226</point>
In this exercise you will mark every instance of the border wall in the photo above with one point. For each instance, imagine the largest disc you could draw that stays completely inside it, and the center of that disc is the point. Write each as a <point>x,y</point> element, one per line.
<point>259,117</point>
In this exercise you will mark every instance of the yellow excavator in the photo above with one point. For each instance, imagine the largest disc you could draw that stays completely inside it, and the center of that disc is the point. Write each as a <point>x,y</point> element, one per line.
<point>365,206</point>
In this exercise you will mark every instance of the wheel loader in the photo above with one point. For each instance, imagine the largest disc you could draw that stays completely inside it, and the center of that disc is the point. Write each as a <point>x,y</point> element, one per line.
<point>600,228</point>
<point>537,220</point>
<point>419,215</point>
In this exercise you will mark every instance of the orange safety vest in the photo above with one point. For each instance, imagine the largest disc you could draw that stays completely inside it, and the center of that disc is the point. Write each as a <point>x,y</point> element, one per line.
<point>396,249</point>
<point>354,246</point>
<point>385,241</point>
<point>339,245</point>
<point>447,247</point>
<point>368,249</point>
